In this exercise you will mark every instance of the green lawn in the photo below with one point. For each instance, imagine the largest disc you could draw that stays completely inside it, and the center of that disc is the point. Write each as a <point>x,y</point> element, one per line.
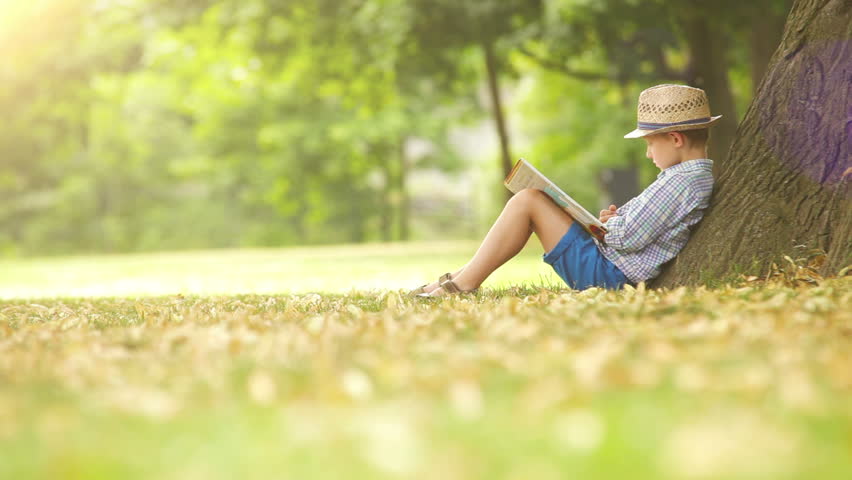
<point>331,269</point>
<point>752,381</point>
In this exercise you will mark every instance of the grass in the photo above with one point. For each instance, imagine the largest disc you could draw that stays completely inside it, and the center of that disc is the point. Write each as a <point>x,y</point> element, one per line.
<point>331,269</point>
<point>749,381</point>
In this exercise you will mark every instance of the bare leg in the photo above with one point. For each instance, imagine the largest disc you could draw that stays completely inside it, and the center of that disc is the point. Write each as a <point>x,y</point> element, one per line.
<point>527,212</point>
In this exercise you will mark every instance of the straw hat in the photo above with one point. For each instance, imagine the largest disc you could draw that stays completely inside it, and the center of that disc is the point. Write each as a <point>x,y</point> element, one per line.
<point>670,108</point>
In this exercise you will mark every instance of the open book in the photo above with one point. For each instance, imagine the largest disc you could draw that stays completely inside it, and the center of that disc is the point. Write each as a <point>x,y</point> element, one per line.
<point>524,175</point>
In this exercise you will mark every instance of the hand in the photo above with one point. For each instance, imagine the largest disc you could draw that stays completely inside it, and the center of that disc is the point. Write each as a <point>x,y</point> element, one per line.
<point>607,214</point>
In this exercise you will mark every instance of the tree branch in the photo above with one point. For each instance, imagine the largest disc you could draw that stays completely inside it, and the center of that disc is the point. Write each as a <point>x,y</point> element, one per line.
<point>591,75</point>
<point>563,69</point>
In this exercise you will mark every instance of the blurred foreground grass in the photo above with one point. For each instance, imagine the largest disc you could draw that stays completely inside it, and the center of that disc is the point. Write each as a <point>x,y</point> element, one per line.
<point>747,382</point>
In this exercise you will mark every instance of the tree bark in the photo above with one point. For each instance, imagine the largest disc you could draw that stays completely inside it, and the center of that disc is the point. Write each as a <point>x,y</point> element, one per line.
<point>787,187</point>
<point>497,103</point>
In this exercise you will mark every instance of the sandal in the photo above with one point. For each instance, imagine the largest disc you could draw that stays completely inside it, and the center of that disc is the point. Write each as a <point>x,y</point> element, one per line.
<point>449,287</point>
<point>421,290</point>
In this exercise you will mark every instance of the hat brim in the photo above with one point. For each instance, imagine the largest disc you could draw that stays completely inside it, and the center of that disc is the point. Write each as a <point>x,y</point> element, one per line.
<point>639,132</point>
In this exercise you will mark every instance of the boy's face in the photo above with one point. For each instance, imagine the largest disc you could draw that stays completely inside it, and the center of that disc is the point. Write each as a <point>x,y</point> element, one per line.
<point>662,149</point>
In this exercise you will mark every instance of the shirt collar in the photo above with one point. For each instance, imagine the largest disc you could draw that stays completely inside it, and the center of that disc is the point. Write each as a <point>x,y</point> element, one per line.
<point>689,166</point>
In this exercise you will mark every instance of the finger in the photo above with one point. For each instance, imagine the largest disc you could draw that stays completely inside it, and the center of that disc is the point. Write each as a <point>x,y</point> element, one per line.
<point>613,208</point>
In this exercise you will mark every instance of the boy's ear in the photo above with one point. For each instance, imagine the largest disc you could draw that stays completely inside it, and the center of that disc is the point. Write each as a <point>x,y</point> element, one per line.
<point>678,138</point>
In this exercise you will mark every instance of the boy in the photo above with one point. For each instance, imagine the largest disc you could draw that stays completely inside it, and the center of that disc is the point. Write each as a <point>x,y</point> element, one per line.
<point>644,233</point>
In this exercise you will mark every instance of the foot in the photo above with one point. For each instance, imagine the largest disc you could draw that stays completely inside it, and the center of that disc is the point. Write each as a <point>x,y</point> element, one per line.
<point>430,287</point>
<point>449,287</point>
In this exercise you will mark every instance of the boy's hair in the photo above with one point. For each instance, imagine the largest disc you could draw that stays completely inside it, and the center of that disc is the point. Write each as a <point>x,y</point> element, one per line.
<point>696,137</point>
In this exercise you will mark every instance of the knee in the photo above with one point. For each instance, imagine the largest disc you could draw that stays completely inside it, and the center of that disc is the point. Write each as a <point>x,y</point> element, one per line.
<point>528,197</point>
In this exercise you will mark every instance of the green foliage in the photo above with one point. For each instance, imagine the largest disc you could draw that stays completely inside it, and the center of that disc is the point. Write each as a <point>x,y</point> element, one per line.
<point>151,124</point>
<point>579,129</point>
<point>631,40</point>
<point>217,138</point>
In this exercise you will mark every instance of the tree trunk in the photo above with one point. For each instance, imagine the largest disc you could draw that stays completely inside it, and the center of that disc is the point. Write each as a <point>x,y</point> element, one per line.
<point>788,185</point>
<point>387,205</point>
<point>497,103</point>
<point>709,70</point>
<point>403,201</point>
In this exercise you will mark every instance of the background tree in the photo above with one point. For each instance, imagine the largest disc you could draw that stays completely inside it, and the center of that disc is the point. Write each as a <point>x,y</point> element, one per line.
<point>46,98</point>
<point>649,42</point>
<point>357,56</point>
<point>787,189</point>
<point>442,29</point>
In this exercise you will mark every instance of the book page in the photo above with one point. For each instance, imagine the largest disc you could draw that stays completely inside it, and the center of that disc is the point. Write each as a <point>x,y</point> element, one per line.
<point>524,175</point>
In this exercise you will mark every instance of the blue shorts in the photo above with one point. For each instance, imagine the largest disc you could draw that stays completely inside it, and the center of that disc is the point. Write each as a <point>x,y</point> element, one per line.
<point>577,260</point>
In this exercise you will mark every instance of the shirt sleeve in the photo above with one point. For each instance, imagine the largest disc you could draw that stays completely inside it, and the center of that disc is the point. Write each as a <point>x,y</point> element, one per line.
<point>653,212</point>
<point>625,208</point>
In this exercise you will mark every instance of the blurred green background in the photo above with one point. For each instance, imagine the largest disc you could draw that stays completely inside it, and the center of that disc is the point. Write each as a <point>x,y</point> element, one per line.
<point>148,125</point>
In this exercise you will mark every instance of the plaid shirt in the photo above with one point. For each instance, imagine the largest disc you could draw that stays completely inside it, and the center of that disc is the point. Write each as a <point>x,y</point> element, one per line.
<point>652,228</point>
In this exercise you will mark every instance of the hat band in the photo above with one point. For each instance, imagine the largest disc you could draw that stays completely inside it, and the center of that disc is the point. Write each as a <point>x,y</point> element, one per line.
<point>655,126</point>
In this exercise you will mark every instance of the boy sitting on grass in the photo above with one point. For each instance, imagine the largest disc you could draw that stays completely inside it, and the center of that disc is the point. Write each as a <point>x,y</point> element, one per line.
<point>643,234</point>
